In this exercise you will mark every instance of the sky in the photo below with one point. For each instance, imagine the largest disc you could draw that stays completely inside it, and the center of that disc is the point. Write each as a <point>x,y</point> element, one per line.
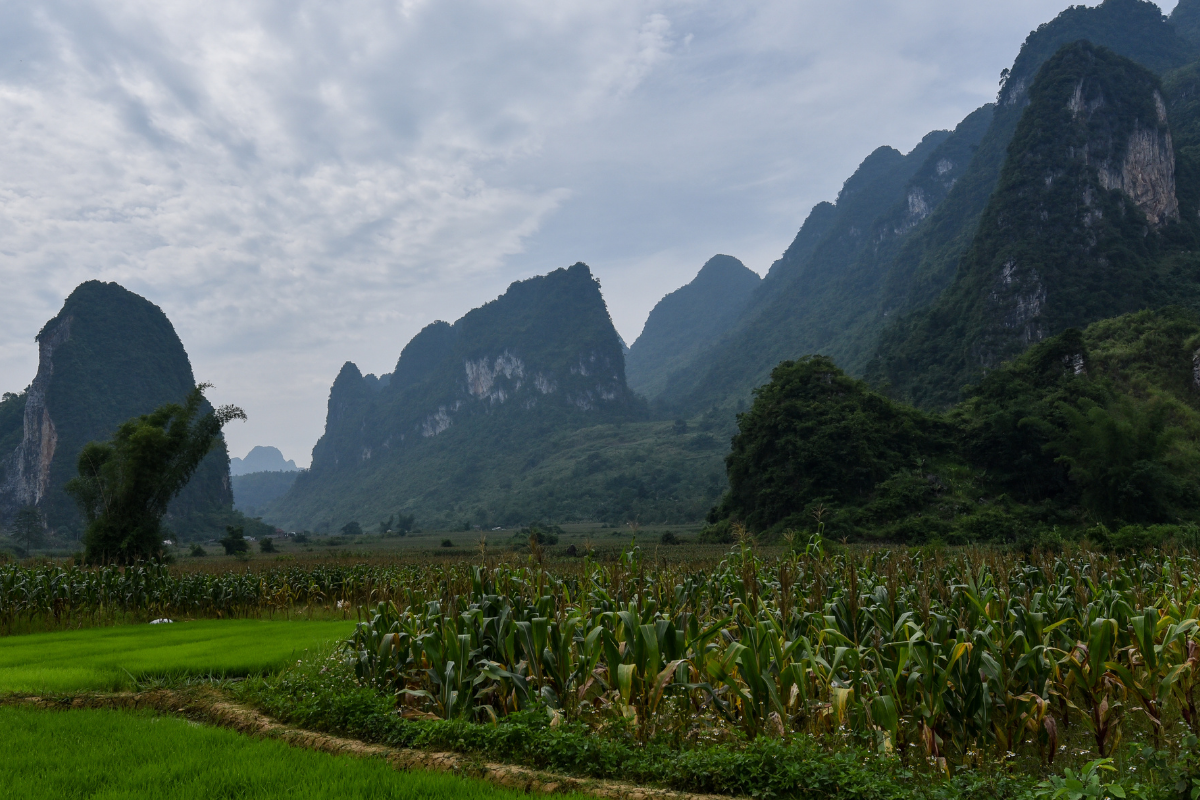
<point>298,184</point>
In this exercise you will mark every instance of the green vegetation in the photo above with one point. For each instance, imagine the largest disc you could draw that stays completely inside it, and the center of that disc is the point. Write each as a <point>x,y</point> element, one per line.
<point>1082,434</point>
<point>107,659</point>
<point>234,541</point>
<point>1055,248</point>
<point>1186,21</point>
<point>12,422</point>
<point>125,486</point>
<point>28,528</point>
<point>254,491</point>
<point>688,321</point>
<point>816,436</point>
<point>109,754</point>
<point>495,475</point>
<point>816,674</point>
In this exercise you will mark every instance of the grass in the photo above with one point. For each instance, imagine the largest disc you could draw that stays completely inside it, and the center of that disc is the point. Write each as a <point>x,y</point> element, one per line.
<point>108,754</point>
<point>110,659</point>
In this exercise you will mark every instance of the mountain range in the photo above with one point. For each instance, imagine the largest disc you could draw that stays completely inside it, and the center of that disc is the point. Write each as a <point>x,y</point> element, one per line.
<point>1070,199</point>
<point>863,268</point>
<point>1073,198</point>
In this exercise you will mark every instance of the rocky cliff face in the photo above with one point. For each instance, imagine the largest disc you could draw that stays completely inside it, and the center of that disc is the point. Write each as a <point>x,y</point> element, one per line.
<point>109,355</point>
<point>26,470</point>
<point>545,351</point>
<point>1081,219</point>
<point>1147,172</point>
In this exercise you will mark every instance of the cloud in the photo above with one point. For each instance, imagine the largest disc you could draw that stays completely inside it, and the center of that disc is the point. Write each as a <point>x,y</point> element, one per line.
<point>302,183</point>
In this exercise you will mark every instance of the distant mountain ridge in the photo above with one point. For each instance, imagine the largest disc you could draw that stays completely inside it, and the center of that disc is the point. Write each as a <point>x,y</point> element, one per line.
<point>821,286</point>
<point>261,459</point>
<point>687,321</point>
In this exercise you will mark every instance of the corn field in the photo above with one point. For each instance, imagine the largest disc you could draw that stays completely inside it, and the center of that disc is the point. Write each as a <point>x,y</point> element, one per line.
<point>950,656</point>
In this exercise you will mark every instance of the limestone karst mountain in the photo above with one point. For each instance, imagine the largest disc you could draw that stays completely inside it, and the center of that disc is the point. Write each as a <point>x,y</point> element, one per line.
<point>261,459</point>
<point>1086,224</point>
<point>518,410</point>
<point>688,321</point>
<point>107,356</point>
<point>895,238</point>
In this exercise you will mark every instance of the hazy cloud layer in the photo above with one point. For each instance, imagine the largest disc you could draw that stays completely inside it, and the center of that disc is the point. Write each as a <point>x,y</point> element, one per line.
<point>302,183</point>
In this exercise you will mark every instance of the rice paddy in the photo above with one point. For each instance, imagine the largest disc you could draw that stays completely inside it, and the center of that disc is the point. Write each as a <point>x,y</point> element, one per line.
<point>100,754</point>
<point>111,659</point>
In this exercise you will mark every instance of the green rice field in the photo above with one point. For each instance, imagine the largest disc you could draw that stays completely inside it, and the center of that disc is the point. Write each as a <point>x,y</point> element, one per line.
<point>100,754</point>
<point>110,659</point>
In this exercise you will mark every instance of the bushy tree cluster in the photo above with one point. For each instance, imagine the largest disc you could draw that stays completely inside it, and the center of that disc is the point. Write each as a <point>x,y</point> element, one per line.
<point>1100,427</point>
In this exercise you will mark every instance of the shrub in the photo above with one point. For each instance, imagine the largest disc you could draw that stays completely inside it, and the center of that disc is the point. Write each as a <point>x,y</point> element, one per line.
<point>235,540</point>
<point>447,543</point>
<point>267,546</point>
<point>197,551</point>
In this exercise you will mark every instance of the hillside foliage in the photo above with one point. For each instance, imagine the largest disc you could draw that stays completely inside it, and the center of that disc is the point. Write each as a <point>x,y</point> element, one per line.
<point>1055,248</point>
<point>1086,429</point>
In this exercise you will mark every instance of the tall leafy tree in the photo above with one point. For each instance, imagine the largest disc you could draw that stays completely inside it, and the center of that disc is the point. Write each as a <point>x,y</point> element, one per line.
<point>125,484</point>
<point>29,528</point>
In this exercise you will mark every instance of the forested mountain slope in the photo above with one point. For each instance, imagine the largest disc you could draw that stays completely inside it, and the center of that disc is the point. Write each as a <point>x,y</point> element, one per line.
<point>821,284</point>
<point>687,321</point>
<point>823,296</point>
<point>1086,224</point>
<point>1099,427</point>
<point>518,410</point>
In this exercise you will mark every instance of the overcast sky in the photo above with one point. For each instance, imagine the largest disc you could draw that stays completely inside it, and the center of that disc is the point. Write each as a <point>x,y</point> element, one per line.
<point>298,184</point>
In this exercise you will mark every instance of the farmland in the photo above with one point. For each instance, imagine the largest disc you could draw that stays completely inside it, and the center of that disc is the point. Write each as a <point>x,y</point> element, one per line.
<point>103,754</point>
<point>805,670</point>
<point>110,659</point>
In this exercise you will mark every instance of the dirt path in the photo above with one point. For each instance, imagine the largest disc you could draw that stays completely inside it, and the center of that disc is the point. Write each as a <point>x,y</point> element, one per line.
<point>214,709</point>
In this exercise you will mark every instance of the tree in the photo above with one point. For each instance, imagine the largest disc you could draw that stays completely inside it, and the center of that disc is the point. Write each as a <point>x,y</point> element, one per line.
<point>267,546</point>
<point>234,540</point>
<point>352,528</point>
<point>405,523</point>
<point>29,529</point>
<point>815,435</point>
<point>1130,462</point>
<point>125,484</point>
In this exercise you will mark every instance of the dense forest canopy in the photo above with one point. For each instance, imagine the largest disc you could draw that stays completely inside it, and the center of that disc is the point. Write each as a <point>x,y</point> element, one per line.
<point>1099,427</point>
